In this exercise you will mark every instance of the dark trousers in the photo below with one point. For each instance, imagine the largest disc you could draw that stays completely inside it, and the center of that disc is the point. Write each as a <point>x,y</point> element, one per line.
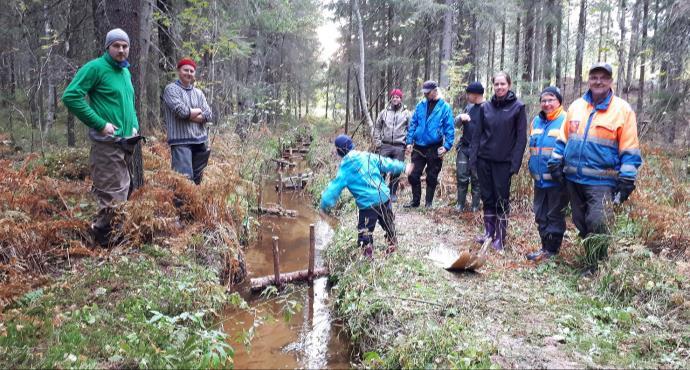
<point>549,214</point>
<point>425,157</point>
<point>383,213</point>
<point>465,178</point>
<point>190,160</point>
<point>494,186</point>
<point>393,151</point>
<point>592,208</point>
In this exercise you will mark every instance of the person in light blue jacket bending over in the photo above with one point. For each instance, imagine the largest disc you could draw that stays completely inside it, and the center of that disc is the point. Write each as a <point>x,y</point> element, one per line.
<point>362,174</point>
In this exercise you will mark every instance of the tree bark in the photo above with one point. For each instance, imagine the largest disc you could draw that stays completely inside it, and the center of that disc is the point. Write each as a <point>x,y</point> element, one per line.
<point>580,47</point>
<point>166,42</point>
<point>529,41</point>
<point>559,32</point>
<point>621,46</point>
<point>446,44</point>
<point>548,50</point>
<point>632,54</point>
<point>640,93</point>
<point>360,71</point>
<point>503,42</point>
<point>516,56</point>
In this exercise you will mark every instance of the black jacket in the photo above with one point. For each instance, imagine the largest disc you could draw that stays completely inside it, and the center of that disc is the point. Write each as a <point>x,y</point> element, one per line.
<point>502,132</point>
<point>469,128</point>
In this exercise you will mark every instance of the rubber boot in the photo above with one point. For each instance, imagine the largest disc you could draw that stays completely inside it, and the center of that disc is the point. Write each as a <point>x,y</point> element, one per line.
<point>501,233</point>
<point>416,196</point>
<point>489,228</point>
<point>368,251</point>
<point>462,194</point>
<point>475,199</point>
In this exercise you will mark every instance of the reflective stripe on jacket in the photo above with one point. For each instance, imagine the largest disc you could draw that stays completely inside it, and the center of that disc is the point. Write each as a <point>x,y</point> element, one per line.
<point>542,140</point>
<point>597,145</point>
<point>438,128</point>
<point>391,126</point>
<point>361,173</point>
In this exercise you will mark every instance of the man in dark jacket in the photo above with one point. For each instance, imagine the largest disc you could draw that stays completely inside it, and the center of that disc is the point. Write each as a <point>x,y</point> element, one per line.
<point>390,131</point>
<point>430,136</point>
<point>469,120</point>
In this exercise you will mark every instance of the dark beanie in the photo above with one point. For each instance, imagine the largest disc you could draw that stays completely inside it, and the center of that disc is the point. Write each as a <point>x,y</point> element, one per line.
<point>343,145</point>
<point>555,91</point>
<point>475,88</point>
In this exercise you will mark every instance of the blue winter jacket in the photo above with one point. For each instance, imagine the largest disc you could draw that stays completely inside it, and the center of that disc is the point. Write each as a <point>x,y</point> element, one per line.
<point>361,173</point>
<point>438,128</point>
<point>542,141</point>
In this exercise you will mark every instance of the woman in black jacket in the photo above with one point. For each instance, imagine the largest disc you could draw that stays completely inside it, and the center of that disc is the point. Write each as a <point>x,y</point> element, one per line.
<point>496,154</point>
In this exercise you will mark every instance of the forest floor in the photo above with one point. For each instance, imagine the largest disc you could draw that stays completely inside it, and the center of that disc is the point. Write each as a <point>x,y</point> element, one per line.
<point>405,310</point>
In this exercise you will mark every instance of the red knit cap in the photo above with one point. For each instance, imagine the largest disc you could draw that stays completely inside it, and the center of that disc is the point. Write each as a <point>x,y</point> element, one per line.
<point>396,92</point>
<point>186,61</point>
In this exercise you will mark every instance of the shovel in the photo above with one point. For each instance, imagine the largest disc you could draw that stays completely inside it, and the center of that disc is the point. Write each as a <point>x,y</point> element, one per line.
<point>470,261</point>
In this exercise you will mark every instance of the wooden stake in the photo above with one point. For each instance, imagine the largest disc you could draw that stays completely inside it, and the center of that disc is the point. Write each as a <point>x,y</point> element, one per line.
<point>280,188</point>
<point>276,262</point>
<point>261,193</point>
<point>312,251</point>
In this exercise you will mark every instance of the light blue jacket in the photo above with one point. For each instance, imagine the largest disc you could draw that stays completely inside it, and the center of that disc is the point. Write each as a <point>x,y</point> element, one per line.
<point>438,128</point>
<point>361,173</point>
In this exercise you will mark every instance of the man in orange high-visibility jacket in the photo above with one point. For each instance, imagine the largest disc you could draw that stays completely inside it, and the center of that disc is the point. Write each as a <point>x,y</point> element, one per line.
<point>598,153</point>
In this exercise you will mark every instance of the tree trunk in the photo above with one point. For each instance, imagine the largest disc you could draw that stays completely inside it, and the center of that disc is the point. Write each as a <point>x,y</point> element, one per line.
<point>529,40</point>
<point>621,47</point>
<point>503,42</point>
<point>559,32</point>
<point>446,44</point>
<point>548,50</point>
<point>166,42</point>
<point>474,49</point>
<point>632,54</point>
<point>427,55</point>
<point>360,71</point>
<point>516,56</point>
<point>414,80</point>
<point>580,47</point>
<point>601,34</point>
<point>566,66</point>
<point>49,72</point>
<point>349,70</point>
<point>640,92</point>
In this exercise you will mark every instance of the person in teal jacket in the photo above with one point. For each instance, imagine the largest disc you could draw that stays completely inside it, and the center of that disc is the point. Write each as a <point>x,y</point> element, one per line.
<point>112,120</point>
<point>362,174</point>
<point>429,137</point>
<point>550,196</point>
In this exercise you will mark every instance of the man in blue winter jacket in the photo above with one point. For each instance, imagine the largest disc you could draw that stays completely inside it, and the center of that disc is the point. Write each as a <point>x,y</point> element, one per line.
<point>429,137</point>
<point>362,174</point>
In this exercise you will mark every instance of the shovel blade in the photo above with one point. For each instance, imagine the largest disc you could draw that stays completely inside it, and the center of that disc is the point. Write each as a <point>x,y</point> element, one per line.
<point>464,260</point>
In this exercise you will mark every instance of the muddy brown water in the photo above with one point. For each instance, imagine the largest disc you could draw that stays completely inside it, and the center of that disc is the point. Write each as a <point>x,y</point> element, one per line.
<point>311,338</point>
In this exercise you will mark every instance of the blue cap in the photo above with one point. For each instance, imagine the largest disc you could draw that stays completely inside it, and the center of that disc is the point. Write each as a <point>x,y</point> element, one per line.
<point>343,145</point>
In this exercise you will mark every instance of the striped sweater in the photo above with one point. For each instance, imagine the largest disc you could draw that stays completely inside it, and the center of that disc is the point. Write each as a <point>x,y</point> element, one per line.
<point>179,100</point>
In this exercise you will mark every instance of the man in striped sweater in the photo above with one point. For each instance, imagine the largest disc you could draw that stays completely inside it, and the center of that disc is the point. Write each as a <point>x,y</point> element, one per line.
<point>186,113</point>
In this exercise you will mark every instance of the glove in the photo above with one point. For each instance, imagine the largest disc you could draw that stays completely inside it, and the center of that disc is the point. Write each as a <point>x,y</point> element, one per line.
<point>556,170</point>
<point>623,189</point>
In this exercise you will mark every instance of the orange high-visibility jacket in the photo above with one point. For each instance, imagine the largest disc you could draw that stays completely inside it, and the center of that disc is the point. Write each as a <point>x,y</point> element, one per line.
<point>597,145</point>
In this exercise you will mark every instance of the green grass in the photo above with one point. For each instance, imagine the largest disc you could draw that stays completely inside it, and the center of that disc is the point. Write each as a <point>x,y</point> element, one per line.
<point>151,310</point>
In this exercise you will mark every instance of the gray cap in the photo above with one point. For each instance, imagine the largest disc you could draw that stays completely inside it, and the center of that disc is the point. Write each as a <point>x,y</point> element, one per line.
<point>428,86</point>
<point>116,34</point>
<point>601,66</point>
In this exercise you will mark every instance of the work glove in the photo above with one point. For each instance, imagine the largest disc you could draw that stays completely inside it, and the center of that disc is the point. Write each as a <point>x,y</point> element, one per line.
<point>556,170</point>
<point>623,189</point>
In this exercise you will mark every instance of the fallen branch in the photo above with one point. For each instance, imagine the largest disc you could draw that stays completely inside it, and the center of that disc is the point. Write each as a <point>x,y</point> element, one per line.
<point>278,211</point>
<point>288,277</point>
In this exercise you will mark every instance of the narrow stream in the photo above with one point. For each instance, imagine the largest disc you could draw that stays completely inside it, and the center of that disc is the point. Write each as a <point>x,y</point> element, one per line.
<point>311,338</point>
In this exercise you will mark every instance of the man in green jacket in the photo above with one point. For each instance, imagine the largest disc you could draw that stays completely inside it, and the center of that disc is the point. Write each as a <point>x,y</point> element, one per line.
<point>112,122</point>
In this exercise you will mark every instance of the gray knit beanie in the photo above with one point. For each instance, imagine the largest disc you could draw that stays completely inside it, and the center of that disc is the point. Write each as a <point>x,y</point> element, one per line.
<point>116,34</point>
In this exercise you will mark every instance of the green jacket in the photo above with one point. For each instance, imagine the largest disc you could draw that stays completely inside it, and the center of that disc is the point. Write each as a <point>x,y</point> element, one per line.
<point>111,96</point>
